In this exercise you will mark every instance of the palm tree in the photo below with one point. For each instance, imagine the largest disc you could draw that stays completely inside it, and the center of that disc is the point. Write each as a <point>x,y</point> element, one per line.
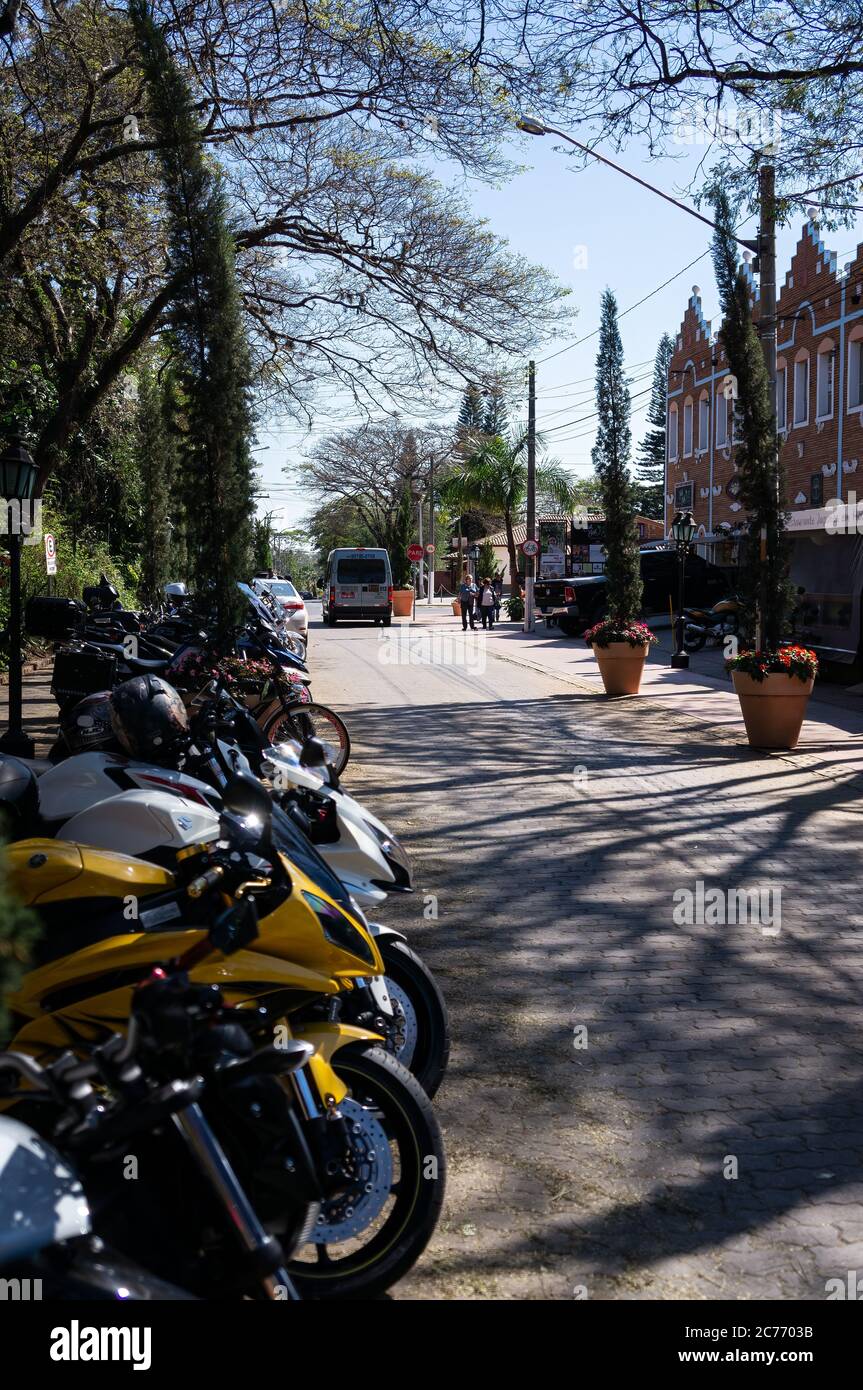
<point>493,477</point>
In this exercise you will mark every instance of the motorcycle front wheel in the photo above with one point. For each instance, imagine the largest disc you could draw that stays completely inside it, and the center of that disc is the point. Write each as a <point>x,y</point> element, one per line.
<point>367,1238</point>
<point>300,722</point>
<point>694,641</point>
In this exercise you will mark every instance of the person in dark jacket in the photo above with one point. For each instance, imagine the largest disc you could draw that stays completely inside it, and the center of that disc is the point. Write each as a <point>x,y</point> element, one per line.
<point>486,604</point>
<point>467,597</point>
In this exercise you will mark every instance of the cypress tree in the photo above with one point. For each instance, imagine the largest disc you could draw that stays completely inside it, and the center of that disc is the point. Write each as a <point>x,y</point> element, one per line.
<point>650,464</point>
<point>470,416</point>
<point>155,453</point>
<point>610,460</point>
<point>214,366</point>
<point>763,582</point>
<point>495,420</point>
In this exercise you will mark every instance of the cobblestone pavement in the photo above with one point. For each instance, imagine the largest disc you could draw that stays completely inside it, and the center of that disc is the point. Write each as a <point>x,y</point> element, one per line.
<point>553,828</point>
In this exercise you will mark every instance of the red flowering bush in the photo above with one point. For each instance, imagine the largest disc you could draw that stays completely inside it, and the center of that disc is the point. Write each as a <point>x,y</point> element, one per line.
<point>608,631</point>
<point>789,661</point>
<point>196,668</point>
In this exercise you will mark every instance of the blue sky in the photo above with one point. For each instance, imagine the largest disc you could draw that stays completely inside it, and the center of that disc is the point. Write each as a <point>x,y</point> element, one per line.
<point>592,228</point>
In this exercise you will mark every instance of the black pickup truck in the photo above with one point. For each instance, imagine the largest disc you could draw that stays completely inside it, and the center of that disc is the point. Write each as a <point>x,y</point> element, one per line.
<point>576,604</point>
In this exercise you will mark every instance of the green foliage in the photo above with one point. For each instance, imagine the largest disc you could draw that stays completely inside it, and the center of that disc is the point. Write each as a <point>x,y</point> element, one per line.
<point>763,582</point>
<point>262,551</point>
<point>515,608</point>
<point>19,930</point>
<point>337,523</point>
<point>494,479</point>
<point>486,565</point>
<point>611,459</point>
<point>157,455</point>
<point>208,334</point>
<point>402,535</point>
<point>650,463</point>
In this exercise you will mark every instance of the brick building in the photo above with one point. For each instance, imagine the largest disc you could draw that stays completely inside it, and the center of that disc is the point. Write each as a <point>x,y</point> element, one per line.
<point>819,390</point>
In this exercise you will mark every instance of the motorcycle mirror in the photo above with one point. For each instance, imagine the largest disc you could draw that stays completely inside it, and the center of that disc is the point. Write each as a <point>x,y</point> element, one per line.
<point>313,753</point>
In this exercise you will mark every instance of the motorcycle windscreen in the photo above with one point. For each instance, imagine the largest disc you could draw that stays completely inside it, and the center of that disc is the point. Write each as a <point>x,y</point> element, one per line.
<point>290,839</point>
<point>830,569</point>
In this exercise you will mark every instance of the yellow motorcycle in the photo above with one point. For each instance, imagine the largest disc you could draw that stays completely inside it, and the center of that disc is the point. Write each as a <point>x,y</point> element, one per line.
<point>368,1125</point>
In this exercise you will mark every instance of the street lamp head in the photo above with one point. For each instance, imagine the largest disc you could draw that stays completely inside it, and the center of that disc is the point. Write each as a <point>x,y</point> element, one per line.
<point>18,472</point>
<point>531,126</point>
<point>683,528</point>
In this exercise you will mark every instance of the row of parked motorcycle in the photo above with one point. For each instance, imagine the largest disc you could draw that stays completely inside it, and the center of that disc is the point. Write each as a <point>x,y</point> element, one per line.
<point>220,1077</point>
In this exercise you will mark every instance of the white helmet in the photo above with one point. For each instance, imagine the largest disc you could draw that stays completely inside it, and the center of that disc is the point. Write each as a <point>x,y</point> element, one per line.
<point>176,590</point>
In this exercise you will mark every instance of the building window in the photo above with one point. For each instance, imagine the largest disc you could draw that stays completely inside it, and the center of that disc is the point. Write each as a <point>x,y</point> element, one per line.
<point>687,429</point>
<point>704,423</point>
<point>672,432</point>
<point>825,385</point>
<point>816,489</point>
<point>721,421</point>
<point>781,388</point>
<point>855,374</point>
<point>801,392</point>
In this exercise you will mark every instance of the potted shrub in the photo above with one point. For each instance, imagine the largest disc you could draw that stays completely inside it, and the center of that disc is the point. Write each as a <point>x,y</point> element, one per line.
<point>621,651</point>
<point>773,682</point>
<point>620,643</point>
<point>773,689</point>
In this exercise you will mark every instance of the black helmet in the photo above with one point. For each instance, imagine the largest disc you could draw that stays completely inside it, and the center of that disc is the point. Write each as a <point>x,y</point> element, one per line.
<point>19,799</point>
<point>87,725</point>
<point>148,716</point>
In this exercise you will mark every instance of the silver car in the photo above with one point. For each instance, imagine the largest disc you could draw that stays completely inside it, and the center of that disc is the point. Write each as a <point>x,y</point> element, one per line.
<point>290,601</point>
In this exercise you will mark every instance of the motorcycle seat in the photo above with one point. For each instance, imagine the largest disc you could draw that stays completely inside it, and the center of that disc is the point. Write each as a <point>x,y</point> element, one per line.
<point>141,666</point>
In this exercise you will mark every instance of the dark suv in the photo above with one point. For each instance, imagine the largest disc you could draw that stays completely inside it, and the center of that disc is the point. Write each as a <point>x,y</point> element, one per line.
<point>577,603</point>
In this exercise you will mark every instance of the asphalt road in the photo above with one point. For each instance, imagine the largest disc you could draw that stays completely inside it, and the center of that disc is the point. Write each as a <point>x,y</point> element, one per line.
<point>635,1108</point>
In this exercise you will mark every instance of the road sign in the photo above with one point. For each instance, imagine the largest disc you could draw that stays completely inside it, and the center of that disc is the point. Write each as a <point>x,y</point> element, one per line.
<point>415,552</point>
<point>50,554</point>
<point>530,547</point>
<point>430,549</point>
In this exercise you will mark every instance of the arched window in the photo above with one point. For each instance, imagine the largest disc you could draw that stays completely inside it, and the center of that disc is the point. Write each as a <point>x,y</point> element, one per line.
<point>672,431</point>
<point>824,388</point>
<point>704,421</point>
<point>855,368</point>
<point>801,388</point>
<point>781,394</point>
<point>687,428</point>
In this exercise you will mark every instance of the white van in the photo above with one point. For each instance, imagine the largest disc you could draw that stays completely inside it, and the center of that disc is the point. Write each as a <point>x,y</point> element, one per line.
<point>359,584</point>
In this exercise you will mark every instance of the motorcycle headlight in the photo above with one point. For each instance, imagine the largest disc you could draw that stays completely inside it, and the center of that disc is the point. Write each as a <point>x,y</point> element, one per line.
<point>339,929</point>
<point>397,860</point>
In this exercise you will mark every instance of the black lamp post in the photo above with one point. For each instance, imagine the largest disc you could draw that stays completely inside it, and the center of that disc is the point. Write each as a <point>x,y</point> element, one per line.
<point>18,475</point>
<point>682,531</point>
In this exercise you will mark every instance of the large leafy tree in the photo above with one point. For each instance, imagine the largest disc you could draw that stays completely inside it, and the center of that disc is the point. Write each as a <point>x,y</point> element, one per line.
<point>357,270</point>
<point>157,460</point>
<point>611,460</point>
<point>764,570</point>
<point>494,479</point>
<point>650,462</point>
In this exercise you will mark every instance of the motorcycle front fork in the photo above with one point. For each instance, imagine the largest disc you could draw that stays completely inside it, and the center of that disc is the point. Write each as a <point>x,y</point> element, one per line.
<point>263,1250</point>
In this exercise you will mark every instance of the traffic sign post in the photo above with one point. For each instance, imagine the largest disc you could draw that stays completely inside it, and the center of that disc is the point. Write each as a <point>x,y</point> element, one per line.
<point>50,558</point>
<point>530,548</point>
<point>415,553</point>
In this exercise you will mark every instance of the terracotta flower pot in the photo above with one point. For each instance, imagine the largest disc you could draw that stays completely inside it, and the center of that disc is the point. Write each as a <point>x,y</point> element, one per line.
<point>456,608</point>
<point>773,709</point>
<point>403,603</point>
<point>620,666</point>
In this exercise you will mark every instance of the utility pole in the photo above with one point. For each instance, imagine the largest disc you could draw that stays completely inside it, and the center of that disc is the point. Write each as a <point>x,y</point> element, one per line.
<point>767,333</point>
<point>431,566</point>
<point>530,560</point>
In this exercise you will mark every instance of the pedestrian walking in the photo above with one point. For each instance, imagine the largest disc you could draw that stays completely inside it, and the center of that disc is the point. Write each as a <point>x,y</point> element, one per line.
<point>486,604</point>
<point>497,585</point>
<point>467,596</point>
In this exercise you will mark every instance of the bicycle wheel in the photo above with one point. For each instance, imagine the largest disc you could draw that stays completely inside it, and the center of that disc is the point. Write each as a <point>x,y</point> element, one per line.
<point>300,722</point>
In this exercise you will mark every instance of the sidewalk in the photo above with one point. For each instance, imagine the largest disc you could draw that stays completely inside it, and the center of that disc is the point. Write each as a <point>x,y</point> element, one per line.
<point>39,708</point>
<point>831,743</point>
